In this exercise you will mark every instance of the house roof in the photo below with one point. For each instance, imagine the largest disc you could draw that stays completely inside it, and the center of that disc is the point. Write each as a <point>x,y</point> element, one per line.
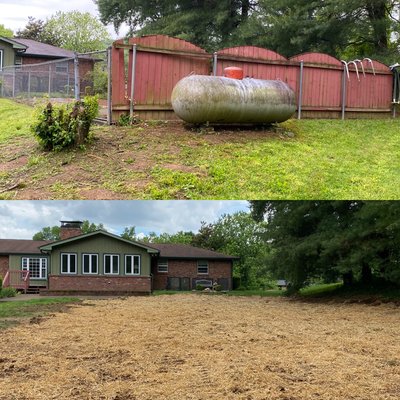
<point>19,246</point>
<point>15,45</point>
<point>49,246</point>
<point>36,49</point>
<point>186,251</point>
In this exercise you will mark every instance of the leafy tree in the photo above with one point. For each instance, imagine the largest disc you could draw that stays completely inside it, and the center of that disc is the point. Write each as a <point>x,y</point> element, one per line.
<point>177,238</point>
<point>48,233</point>
<point>77,31</point>
<point>207,23</point>
<point>53,232</point>
<point>5,32</point>
<point>326,239</point>
<point>35,29</point>
<point>129,233</point>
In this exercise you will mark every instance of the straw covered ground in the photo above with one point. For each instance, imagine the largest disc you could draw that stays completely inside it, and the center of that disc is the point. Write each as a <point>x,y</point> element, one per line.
<point>205,347</point>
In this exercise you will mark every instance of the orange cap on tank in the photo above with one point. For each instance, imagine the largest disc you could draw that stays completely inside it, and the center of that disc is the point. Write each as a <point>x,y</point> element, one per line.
<point>233,72</point>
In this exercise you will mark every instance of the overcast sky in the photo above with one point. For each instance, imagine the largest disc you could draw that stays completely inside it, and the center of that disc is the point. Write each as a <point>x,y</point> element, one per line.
<point>20,219</point>
<point>14,14</point>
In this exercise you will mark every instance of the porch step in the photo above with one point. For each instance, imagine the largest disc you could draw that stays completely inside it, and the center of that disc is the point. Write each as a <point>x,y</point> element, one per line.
<point>33,290</point>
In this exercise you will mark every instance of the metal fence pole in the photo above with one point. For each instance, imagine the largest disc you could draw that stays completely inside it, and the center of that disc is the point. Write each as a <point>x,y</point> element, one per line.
<point>13,89</point>
<point>344,92</point>
<point>215,63</point>
<point>131,100</point>
<point>29,84</point>
<point>50,69</point>
<point>77,85</point>
<point>300,89</point>
<point>109,88</point>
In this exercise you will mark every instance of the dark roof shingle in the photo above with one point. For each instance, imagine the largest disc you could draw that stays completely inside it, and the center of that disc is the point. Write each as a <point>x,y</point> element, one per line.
<point>20,246</point>
<point>187,251</point>
<point>35,48</point>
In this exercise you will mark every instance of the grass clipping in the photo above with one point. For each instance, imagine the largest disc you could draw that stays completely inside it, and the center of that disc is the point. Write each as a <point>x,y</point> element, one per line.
<point>205,347</point>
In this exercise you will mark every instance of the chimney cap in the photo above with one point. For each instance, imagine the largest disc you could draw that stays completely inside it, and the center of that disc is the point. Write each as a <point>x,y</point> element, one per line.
<point>71,224</point>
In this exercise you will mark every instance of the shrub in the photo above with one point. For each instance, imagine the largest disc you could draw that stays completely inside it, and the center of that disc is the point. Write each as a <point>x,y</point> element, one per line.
<point>200,287</point>
<point>61,126</point>
<point>8,292</point>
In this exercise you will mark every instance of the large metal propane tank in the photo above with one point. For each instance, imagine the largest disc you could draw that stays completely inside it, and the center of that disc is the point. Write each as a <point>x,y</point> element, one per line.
<point>220,100</point>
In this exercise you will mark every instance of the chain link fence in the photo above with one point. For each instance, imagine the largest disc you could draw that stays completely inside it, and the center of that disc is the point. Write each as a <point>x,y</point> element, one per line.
<point>60,80</point>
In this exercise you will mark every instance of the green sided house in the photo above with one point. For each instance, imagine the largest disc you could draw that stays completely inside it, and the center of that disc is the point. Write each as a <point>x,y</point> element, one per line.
<point>103,263</point>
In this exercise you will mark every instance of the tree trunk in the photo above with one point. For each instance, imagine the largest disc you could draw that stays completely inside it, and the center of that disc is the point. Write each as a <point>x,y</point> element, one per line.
<point>366,274</point>
<point>377,14</point>
<point>348,279</point>
<point>245,9</point>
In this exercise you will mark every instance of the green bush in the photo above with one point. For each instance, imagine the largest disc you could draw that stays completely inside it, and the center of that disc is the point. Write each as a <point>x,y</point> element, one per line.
<point>200,287</point>
<point>60,126</point>
<point>8,292</point>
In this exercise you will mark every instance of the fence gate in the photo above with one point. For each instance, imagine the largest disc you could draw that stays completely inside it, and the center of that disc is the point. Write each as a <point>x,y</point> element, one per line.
<point>146,69</point>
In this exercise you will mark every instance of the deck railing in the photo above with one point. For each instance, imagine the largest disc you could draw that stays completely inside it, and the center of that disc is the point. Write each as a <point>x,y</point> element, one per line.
<point>17,280</point>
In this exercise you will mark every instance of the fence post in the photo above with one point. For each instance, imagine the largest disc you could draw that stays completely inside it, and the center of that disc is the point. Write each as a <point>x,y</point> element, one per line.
<point>215,62</point>
<point>13,89</point>
<point>300,89</point>
<point>29,84</point>
<point>131,100</point>
<point>344,92</point>
<point>109,88</point>
<point>50,80</point>
<point>76,76</point>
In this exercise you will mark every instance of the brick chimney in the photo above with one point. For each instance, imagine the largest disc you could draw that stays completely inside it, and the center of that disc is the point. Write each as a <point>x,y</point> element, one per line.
<point>70,229</point>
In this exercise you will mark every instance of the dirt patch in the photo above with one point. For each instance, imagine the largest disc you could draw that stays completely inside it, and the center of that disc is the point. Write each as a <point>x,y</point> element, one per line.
<point>205,347</point>
<point>118,164</point>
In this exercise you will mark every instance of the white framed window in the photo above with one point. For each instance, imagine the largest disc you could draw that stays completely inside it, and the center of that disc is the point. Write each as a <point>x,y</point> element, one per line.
<point>132,264</point>
<point>90,263</point>
<point>202,267</point>
<point>162,266</point>
<point>62,67</point>
<point>36,266</point>
<point>69,263</point>
<point>1,59</point>
<point>111,264</point>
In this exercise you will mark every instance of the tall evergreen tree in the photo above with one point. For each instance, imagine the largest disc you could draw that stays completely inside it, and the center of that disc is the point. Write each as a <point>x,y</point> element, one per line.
<point>210,24</point>
<point>356,240</point>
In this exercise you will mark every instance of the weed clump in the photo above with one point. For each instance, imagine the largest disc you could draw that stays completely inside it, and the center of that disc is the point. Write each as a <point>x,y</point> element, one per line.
<point>61,126</point>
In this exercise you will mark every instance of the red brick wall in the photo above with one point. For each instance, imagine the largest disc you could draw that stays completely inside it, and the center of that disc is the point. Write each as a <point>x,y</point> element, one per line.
<point>99,283</point>
<point>66,233</point>
<point>85,67</point>
<point>4,265</point>
<point>188,269</point>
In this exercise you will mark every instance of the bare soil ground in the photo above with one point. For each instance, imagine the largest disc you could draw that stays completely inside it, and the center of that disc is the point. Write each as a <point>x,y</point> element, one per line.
<point>119,164</point>
<point>205,347</point>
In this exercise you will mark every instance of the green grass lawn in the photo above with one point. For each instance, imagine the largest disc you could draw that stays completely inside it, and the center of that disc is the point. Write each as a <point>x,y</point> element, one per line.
<point>14,120</point>
<point>12,312</point>
<point>307,159</point>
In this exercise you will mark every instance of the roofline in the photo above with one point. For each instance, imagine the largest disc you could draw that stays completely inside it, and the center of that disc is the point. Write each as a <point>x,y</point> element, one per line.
<point>49,247</point>
<point>15,44</point>
<point>200,257</point>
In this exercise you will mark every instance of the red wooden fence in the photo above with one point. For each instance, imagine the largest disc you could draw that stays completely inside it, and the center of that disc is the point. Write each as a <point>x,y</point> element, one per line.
<point>324,87</point>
